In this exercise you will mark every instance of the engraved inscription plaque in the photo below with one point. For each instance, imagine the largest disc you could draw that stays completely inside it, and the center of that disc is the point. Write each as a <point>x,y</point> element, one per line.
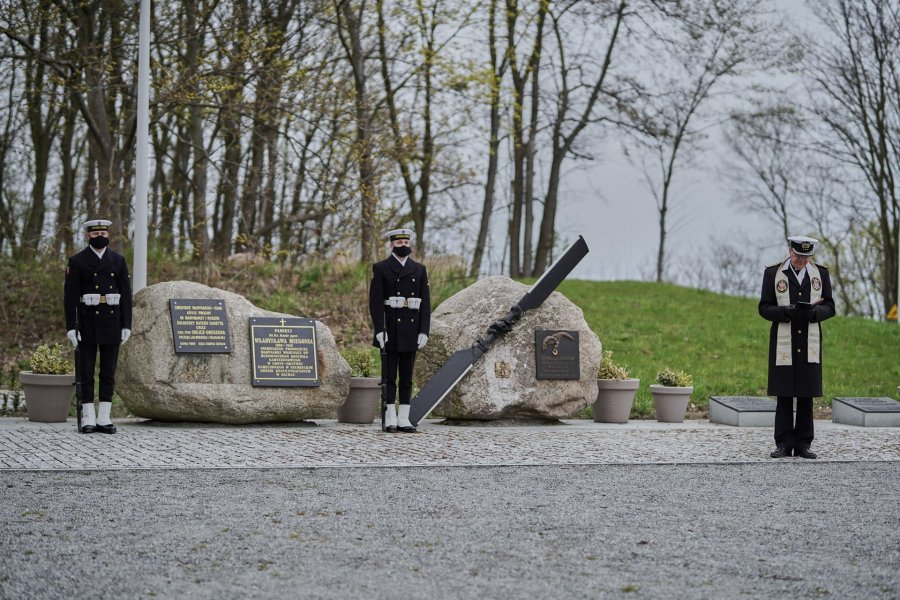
<point>200,325</point>
<point>746,403</point>
<point>872,404</point>
<point>556,354</point>
<point>284,352</point>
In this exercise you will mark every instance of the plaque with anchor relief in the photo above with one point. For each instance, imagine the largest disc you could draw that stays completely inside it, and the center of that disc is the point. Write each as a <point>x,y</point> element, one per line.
<point>556,354</point>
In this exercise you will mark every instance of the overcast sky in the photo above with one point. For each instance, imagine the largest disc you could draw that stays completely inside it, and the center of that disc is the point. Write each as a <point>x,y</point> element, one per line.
<point>608,203</point>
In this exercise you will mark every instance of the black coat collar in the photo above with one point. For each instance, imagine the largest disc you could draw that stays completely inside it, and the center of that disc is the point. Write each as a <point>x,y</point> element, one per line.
<point>401,270</point>
<point>92,259</point>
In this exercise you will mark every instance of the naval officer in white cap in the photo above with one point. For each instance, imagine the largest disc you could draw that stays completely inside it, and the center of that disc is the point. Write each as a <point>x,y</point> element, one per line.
<point>796,297</point>
<point>98,292</point>
<point>400,306</point>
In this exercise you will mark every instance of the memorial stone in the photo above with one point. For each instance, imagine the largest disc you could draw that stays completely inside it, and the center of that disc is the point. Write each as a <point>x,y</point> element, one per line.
<point>742,411</point>
<point>503,384</point>
<point>157,382</point>
<point>866,412</point>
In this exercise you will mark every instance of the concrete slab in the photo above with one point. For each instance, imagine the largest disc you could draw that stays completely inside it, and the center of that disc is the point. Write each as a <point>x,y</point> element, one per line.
<point>866,412</point>
<point>742,411</point>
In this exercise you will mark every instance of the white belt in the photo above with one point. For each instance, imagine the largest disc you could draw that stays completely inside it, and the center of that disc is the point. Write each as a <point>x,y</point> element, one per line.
<point>401,302</point>
<point>95,299</point>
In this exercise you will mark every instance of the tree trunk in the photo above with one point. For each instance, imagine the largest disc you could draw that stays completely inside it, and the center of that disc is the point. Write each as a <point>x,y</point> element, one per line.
<point>493,146</point>
<point>350,34</point>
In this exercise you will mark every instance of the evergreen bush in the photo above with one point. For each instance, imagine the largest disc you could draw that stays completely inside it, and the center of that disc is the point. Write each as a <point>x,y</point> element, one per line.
<point>49,360</point>
<point>672,378</point>
<point>609,369</point>
<point>361,361</point>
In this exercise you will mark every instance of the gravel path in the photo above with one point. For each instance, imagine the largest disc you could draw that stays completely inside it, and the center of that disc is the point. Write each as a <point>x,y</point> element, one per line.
<point>781,529</point>
<point>581,510</point>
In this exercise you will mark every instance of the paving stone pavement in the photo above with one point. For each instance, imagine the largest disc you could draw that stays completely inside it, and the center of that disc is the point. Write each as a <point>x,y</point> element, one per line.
<point>147,445</point>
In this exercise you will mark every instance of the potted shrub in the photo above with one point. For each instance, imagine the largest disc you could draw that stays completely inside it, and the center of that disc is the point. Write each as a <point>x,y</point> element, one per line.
<point>615,391</point>
<point>362,403</point>
<point>671,395</point>
<point>49,385</point>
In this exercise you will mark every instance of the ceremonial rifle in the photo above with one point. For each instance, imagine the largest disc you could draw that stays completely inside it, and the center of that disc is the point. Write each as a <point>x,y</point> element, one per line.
<point>383,382</point>
<point>462,361</point>
<point>79,396</point>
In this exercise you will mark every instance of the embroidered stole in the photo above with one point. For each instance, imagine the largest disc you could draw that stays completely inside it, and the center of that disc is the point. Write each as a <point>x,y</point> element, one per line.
<point>783,355</point>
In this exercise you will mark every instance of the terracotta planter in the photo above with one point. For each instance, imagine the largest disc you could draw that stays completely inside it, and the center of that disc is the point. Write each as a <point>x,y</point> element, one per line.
<point>670,402</point>
<point>615,397</point>
<point>361,405</point>
<point>47,397</point>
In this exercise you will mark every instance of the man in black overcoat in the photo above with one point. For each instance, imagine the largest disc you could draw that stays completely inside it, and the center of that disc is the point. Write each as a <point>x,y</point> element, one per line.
<point>796,297</point>
<point>98,293</point>
<point>400,306</point>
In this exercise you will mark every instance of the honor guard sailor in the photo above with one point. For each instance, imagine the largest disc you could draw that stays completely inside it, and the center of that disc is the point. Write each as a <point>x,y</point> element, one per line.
<point>796,297</point>
<point>400,306</point>
<point>97,302</point>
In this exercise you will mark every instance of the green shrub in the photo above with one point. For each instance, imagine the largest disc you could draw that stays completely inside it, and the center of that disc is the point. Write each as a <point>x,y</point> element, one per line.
<point>609,369</point>
<point>672,378</point>
<point>49,360</point>
<point>362,363</point>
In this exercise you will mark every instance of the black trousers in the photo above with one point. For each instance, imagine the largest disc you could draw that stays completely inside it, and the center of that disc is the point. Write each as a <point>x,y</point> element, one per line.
<point>404,362</point>
<point>789,434</point>
<point>87,356</point>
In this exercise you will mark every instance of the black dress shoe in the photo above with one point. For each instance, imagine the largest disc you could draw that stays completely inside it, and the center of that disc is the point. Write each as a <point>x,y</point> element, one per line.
<point>804,453</point>
<point>409,429</point>
<point>88,429</point>
<point>106,428</point>
<point>390,429</point>
<point>780,452</point>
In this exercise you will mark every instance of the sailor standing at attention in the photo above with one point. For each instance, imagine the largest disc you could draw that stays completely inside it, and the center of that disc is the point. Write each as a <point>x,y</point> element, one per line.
<point>98,289</point>
<point>400,306</point>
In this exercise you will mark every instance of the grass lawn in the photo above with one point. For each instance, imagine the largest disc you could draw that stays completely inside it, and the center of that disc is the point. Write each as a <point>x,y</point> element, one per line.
<point>723,342</point>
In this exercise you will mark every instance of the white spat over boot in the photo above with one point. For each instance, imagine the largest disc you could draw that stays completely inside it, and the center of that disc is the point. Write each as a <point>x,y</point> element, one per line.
<point>403,423</point>
<point>390,418</point>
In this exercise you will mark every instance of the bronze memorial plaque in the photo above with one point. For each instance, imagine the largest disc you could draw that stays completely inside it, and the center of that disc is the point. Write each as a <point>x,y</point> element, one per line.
<point>556,354</point>
<point>284,352</point>
<point>200,325</point>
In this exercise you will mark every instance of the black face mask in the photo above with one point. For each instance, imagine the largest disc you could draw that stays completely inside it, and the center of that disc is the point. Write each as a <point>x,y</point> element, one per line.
<point>99,242</point>
<point>402,251</point>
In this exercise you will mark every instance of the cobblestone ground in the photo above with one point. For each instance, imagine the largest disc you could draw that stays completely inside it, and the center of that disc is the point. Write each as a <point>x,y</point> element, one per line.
<point>145,445</point>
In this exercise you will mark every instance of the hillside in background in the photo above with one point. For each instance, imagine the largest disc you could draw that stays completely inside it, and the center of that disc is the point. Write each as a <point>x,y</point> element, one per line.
<point>723,342</point>
<point>720,340</point>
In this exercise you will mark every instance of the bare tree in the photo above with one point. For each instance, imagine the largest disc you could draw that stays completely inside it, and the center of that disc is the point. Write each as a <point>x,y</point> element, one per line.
<point>350,23</point>
<point>696,48</point>
<point>770,158</point>
<point>856,72</point>
<point>570,120</point>
<point>497,69</point>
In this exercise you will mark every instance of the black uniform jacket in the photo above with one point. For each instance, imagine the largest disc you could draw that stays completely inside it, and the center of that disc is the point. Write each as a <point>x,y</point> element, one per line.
<point>403,325</point>
<point>87,273</point>
<point>802,379</point>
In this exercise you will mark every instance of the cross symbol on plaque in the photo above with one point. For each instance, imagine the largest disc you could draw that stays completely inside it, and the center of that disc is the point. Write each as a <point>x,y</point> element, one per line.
<point>282,322</point>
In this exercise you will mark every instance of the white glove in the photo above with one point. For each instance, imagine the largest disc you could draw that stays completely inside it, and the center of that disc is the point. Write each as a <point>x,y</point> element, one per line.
<point>423,339</point>
<point>126,333</point>
<point>74,337</point>
<point>381,338</point>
